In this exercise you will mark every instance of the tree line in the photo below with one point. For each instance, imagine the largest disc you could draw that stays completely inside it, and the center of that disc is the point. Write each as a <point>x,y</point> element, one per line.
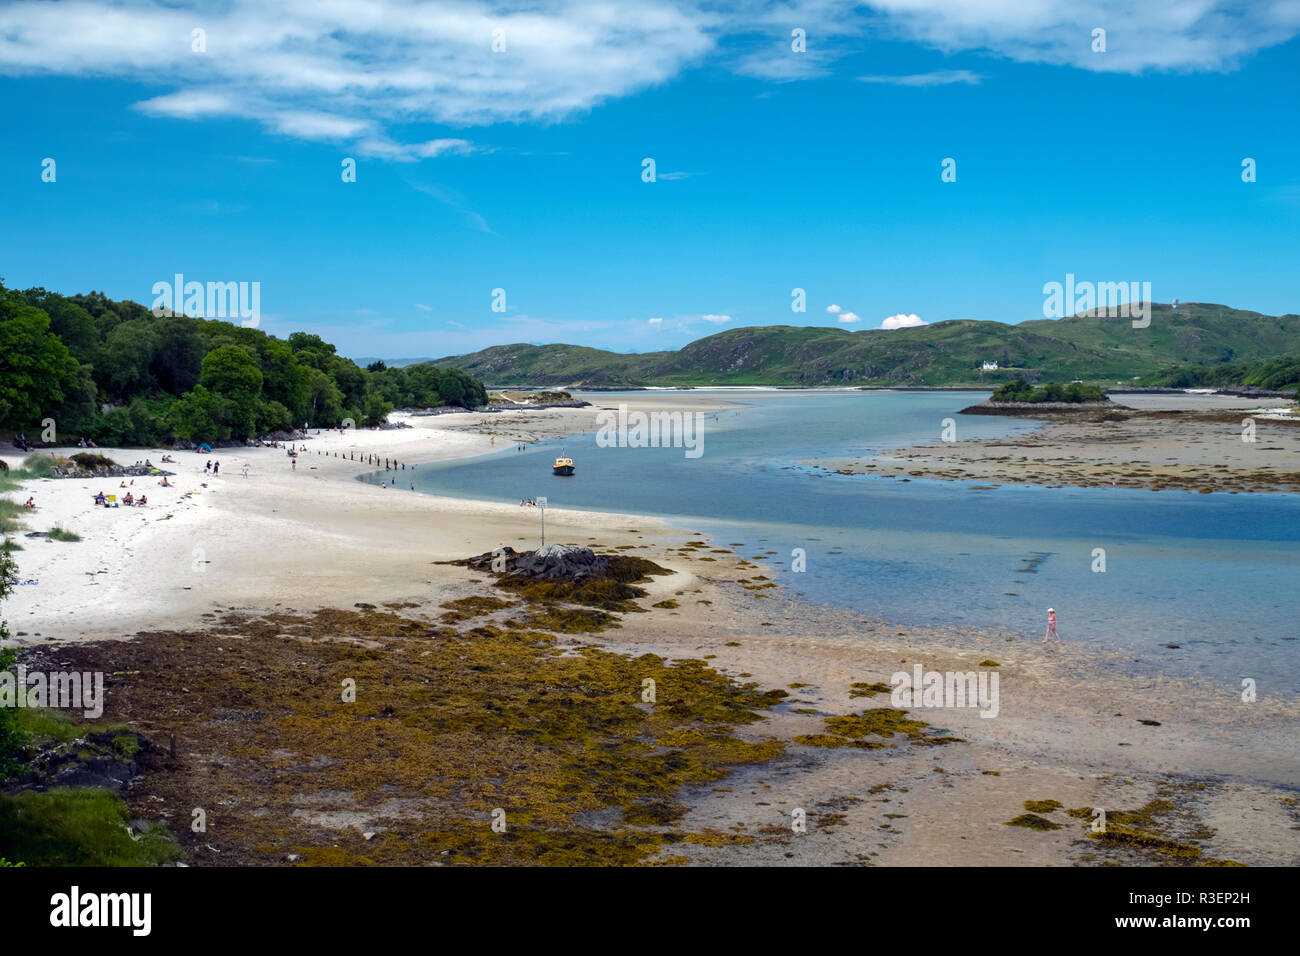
<point>113,372</point>
<point>1018,390</point>
<point>1280,375</point>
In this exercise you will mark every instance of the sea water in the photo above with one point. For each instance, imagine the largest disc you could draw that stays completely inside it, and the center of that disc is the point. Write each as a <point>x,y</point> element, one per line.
<point>1215,574</point>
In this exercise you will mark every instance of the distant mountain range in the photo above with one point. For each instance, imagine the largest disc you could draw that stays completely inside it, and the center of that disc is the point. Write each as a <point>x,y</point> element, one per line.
<point>1097,349</point>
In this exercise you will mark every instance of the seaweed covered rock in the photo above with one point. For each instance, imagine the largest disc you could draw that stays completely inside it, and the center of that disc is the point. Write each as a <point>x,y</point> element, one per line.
<point>569,573</point>
<point>560,562</point>
<point>555,562</point>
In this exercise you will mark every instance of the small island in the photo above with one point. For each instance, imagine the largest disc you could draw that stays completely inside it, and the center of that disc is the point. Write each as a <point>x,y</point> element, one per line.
<point>1018,397</point>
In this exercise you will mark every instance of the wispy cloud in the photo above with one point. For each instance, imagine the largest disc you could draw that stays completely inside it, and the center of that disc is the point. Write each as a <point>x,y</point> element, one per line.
<point>937,78</point>
<point>1207,35</point>
<point>353,73</point>
<point>453,199</point>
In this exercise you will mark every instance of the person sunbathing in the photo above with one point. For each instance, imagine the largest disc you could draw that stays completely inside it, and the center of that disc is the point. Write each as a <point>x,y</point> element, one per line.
<point>165,483</point>
<point>142,502</point>
<point>128,500</point>
<point>101,499</point>
<point>30,503</point>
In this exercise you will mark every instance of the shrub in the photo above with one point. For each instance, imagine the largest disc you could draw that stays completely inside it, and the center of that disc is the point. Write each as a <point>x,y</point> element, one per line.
<point>90,461</point>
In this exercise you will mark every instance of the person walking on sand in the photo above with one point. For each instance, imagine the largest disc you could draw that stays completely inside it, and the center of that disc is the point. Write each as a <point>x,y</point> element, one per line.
<point>1051,626</point>
<point>245,471</point>
<point>293,464</point>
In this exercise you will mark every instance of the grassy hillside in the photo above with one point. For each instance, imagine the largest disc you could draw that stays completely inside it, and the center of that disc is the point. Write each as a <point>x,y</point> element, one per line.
<point>1095,349</point>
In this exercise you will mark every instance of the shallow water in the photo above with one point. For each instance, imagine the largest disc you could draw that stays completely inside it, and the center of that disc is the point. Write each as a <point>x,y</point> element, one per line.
<point>1215,574</point>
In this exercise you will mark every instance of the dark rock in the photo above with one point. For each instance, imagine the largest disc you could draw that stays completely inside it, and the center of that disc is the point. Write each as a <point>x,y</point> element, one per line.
<point>555,562</point>
<point>1033,409</point>
<point>110,759</point>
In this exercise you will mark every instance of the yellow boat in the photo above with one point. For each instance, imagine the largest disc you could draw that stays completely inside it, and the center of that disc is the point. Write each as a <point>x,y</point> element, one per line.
<point>563,466</point>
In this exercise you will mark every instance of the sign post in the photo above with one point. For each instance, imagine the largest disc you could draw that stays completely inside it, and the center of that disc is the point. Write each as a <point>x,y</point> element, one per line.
<point>541,503</point>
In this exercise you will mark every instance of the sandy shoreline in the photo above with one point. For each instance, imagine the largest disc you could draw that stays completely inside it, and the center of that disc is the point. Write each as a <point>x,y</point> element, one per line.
<point>284,540</point>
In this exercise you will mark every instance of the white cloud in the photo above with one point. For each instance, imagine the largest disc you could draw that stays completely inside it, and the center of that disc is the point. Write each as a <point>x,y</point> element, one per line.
<point>716,319</point>
<point>833,308</point>
<point>937,78</point>
<point>337,71</point>
<point>424,308</point>
<point>189,104</point>
<point>655,321</point>
<point>902,321</point>
<point>1153,35</point>
<point>354,73</point>
<point>848,318</point>
<point>381,147</point>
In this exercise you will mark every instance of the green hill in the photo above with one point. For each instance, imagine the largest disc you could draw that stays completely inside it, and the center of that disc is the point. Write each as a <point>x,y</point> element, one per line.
<point>1094,349</point>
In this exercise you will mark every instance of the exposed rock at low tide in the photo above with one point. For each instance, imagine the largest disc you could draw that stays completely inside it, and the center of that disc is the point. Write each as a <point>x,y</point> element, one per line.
<point>555,562</point>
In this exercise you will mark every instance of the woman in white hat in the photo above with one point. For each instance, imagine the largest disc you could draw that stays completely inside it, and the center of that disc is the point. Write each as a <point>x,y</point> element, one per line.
<point>1051,626</point>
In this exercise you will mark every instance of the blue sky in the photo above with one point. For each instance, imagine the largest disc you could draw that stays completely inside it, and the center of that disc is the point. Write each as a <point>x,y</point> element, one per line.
<point>522,170</point>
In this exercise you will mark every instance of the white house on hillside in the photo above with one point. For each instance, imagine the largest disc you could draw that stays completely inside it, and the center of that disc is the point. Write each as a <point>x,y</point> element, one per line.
<point>989,367</point>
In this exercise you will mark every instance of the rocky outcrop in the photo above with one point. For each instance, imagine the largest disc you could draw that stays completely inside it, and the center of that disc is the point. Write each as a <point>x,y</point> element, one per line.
<point>555,562</point>
<point>108,759</point>
<point>107,471</point>
<point>1032,409</point>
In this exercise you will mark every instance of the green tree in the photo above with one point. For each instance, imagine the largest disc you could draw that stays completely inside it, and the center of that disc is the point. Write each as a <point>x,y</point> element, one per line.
<point>377,410</point>
<point>37,372</point>
<point>324,402</point>
<point>199,416</point>
<point>123,366</point>
<point>232,373</point>
<point>272,416</point>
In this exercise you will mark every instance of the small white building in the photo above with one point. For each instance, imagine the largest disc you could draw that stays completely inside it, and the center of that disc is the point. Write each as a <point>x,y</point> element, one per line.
<point>989,367</point>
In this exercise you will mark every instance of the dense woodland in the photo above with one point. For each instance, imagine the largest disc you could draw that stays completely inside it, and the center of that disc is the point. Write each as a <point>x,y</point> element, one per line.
<point>1280,374</point>
<point>115,373</point>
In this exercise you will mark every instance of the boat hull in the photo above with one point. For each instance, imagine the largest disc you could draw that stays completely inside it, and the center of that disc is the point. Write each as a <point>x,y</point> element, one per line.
<point>565,470</point>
